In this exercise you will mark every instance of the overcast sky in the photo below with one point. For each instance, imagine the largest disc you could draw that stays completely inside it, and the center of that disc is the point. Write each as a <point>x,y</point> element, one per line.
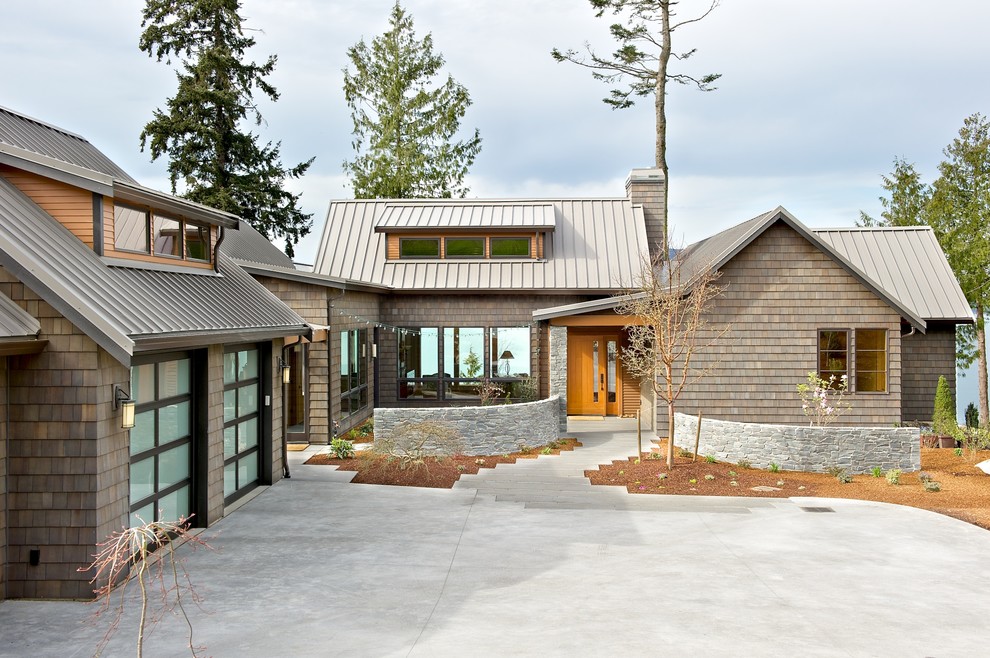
<point>815,101</point>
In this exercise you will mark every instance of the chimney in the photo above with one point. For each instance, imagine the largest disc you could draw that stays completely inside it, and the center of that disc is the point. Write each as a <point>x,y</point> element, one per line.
<point>645,187</point>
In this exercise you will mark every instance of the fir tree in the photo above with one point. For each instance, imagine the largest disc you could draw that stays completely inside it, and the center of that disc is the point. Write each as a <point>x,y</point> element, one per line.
<point>213,160</point>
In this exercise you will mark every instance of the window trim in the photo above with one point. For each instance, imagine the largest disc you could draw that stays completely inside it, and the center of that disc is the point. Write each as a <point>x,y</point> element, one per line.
<point>819,351</point>
<point>886,360</point>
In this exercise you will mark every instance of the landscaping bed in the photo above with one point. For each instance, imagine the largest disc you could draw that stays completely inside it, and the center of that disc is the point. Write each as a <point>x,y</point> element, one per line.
<point>964,494</point>
<point>441,473</point>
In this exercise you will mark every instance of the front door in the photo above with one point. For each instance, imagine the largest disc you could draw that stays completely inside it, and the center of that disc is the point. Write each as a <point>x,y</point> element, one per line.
<point>592,375</point>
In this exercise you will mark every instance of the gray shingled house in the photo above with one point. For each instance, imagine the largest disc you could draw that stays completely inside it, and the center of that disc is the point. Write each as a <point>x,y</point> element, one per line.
<point>114,298</point>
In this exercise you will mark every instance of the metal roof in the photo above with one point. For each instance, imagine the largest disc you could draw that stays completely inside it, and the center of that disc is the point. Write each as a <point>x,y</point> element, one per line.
<point>248,244</point>
<point>30,134</point>
<point>466,216</point>
<point>909,263</point>
<point>597,246</point>
<point>15,322</point>
<point>905,267</point>
<point>127,309</point>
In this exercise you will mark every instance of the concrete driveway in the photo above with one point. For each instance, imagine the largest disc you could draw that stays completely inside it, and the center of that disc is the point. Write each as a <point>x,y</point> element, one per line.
<point>529,560</point>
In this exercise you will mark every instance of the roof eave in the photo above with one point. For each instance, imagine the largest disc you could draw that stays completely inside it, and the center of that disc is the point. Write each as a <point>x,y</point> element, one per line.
<point>188,339</point>
<point>63,172</point>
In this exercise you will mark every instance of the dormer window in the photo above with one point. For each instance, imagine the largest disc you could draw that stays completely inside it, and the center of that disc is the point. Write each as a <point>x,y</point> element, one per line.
<point>464,247</point>
<point>145,231</point>
<point>419,248</point>
<point>511,248</point>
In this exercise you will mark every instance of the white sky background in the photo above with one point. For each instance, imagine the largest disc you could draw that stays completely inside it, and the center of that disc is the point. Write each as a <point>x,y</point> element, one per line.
<point>815,101</point>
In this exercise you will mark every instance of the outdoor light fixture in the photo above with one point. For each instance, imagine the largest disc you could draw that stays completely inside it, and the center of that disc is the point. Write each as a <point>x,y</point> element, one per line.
<point>122,400</point>
<point>286,371</point>
<point>506,355</point>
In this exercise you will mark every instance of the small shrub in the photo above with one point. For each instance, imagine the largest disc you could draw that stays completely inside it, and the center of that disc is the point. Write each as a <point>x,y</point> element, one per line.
<point>732,474</point>
<point>834,471</point>
<point>944,415</point>
<point>341,449</point>
<point>774,467</point>
<point>744,463</point>
<point>684,452</point>
<point>844,478</point>
<point>654,455</point>
<point>412,442</point>
<point>876,472</point>
<point>662,476</point>
<point>556,443</point>
<point>733,483</point>
<point>479,461</point>
<point>548,451</point>
<point>924,476</point>
<point>489,392</point>
<point>958,452</point>
<point>693,481</point>
<point>932,486</point>
<point>709,477</point>
<point>710,459</point>
<point>524,449</point>
<point>461,468</point>
<point>893,476</point>
<point>780,483</point>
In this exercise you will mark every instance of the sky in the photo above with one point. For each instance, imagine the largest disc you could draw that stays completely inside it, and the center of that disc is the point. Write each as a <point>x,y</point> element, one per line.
<point>815,101</point>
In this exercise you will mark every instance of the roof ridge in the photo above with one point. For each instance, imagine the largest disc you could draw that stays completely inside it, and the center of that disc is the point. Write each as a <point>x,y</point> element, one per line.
<point>919,227</point>
<point>44,124</point>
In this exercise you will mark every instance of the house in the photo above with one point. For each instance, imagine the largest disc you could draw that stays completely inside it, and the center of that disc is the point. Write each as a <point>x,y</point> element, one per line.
<point>139,372</point>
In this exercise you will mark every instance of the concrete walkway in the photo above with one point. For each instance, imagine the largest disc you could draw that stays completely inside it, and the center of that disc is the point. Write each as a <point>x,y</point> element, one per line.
<point>315,566</point>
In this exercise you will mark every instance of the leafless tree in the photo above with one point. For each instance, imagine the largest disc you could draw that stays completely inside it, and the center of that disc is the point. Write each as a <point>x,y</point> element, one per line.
<point>668,309</point>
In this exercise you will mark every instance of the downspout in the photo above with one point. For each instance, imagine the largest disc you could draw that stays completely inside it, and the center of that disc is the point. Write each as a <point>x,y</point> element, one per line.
<point>216,250</point>
<point>910,333</point>
<point>285,444</point>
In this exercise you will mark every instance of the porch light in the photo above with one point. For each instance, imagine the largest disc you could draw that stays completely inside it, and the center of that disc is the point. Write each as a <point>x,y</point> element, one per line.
<point>122,400</point>
<point>286,371</point>
<point>506,356</point>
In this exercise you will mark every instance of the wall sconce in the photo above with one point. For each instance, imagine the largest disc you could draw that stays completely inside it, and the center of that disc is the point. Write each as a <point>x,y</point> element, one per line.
<point>122,400</point>
<point>286,371</point>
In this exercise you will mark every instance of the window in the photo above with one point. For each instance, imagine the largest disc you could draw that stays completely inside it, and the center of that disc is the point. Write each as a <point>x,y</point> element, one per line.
<point>161,441</point>
<point>167,236</point>
<point>197,242</point>
<point>419,248</point>
<point>833,355</point>
<point>463,362</point>
<point>143,231</point>
<point>464,247</point>
<point>241,420</point>
<point>510,362</point>
<point>871,360</point>
<point>419,363</point>
<point>353,371</point>
<point>510,248</point>
<point>294,393</point>
<point>130,228</point>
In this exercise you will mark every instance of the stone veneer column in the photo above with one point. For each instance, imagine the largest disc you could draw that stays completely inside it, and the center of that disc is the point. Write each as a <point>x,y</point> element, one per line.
<point>558,370</point>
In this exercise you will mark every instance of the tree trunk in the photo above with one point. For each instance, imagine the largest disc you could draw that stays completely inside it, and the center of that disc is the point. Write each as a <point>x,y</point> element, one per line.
<point>660,104</point>
<point>981,366</point>
<point>668,374</point>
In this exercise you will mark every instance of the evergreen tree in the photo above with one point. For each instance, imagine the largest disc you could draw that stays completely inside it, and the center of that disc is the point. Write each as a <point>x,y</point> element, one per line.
<point>214,160</point>
<point>404,125</point>
<point>944,415</point>
<point>909,198</point>
<point>642,59</point>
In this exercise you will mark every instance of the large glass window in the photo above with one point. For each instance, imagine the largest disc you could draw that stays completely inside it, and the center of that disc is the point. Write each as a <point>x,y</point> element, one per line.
<point>510,352</point>
<point>353,371</point>
<point>510,248</point>
<point>833,355</point>
<point>197,241</point>
<point>871,360</point>
<point>161,441</point>
<point>464,247</point>
<point>294,393</point>
<point>242,392</point>
<point>130,228</point>
<point>463,362</point>
<point>419,247</point>
<point>419,363</point>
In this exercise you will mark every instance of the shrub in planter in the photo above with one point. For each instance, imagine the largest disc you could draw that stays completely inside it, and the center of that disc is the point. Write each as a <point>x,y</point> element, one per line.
<point>944,415</point>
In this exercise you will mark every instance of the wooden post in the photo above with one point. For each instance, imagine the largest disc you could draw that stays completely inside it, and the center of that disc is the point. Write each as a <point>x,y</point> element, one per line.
<point>639,435</point>
<point>697,439</point>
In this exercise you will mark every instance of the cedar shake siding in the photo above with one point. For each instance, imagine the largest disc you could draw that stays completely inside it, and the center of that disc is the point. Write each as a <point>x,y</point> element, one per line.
<point>925,357</point>
<point>3,478</point>
<point>462,310</point>
<point>780,292</point>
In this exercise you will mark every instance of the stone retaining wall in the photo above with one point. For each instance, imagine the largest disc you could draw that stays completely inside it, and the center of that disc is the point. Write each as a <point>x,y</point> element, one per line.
<point>856,449</point>
<point>491,430</point>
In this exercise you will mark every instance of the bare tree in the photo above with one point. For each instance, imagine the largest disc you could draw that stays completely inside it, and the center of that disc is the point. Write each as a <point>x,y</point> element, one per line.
<point>668,308</point>
<point>642,59</point>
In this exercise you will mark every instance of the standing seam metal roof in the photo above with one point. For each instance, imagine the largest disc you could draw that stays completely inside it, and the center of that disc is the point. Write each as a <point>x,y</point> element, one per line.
<point>597,246</point>
<point>467,216</point>
<point>15,322</point>
<point>38,137</point>
<point>121,307</point>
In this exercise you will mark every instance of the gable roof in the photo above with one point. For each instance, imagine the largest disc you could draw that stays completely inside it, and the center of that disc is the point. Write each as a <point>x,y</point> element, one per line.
<point>883,260</point>
<point>131,309</point>
<point>251,246</point>
<point>909,262</point>
<point>596,246</point>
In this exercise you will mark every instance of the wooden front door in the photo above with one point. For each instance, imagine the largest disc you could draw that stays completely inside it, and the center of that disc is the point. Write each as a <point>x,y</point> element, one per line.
<point>593,386</point>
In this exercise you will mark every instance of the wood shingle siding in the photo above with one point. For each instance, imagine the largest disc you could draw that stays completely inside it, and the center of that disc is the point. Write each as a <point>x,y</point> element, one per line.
<point>780,292</point>
<point>925,357</point>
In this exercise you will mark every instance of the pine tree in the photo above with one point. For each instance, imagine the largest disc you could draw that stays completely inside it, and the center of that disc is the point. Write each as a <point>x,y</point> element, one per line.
<point>909,198</point>
<point>404,126</point>
<point>212,158</point>
<point>642,60</point>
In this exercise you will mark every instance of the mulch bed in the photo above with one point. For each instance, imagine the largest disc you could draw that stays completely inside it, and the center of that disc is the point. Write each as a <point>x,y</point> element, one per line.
<point>373,468</point>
